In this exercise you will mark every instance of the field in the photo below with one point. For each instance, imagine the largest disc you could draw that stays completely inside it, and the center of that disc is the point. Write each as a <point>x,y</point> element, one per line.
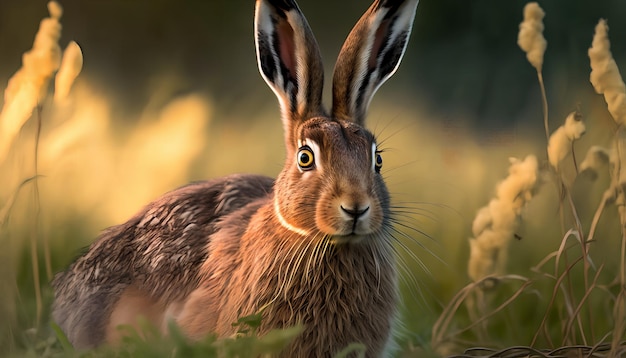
<point>524,255</point>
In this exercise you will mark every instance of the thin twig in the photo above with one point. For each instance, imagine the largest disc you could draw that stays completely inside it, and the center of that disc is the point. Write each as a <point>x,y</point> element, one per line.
<point>583,300</point>
<point>557,284</point>
<point>441,325</point>
<point>619,311</point>
<point>596,216</point>
<point>5,212</point>
<point>574,158</point>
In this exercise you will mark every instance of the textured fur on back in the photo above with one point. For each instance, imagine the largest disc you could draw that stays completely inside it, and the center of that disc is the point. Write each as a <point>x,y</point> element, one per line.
<point>159,251</point>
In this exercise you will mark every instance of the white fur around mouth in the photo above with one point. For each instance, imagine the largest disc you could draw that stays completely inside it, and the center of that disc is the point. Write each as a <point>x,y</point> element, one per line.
<point>346,239</point>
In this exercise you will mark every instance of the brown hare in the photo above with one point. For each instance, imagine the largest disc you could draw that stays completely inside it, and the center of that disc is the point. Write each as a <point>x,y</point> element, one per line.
<point>313,247</point>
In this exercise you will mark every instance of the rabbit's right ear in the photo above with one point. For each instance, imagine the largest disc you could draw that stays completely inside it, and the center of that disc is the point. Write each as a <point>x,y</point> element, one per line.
<point>289,59</point>
<point>370,55</point>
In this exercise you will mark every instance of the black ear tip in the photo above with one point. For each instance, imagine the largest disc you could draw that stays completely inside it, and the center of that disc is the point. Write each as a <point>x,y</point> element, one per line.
<point>392,3</point>
<point>285,5</point>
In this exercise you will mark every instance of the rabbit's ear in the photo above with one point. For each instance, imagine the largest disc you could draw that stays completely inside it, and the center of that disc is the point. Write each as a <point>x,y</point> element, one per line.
<point>370,55</point>
<point>289,59</point>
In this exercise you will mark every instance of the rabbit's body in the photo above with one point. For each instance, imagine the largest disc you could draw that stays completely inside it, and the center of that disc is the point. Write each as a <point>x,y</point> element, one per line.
<point>312,248</point>
<point>158,253</point>
<point>216,272</point>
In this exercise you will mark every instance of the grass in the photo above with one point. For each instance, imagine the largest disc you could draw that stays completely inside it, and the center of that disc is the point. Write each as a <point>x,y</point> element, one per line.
<point>73,171</point>
<point>571,322</point>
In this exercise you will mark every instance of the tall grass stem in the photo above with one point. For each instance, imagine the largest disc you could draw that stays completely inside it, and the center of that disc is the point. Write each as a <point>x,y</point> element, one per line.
<point>544,101</point>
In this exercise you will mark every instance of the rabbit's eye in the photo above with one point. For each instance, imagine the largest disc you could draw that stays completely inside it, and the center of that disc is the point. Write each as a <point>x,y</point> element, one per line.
<point>378,163</point>
<point>306,161</point>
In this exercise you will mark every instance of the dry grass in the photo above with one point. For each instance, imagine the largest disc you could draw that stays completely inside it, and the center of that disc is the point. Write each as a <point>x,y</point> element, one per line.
<point>567,282</point>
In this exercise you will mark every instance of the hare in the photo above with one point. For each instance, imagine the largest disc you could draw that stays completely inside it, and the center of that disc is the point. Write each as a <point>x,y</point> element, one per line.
<point>312,247</point>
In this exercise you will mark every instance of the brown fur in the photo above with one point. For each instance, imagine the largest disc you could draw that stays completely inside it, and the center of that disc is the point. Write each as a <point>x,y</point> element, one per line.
<point>312,248</point>
<point>342,293</point>
<point>131,308</point>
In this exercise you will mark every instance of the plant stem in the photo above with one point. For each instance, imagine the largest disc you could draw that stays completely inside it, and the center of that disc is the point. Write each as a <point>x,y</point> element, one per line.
<point>619,311</point>
<point>46,244</point>
<point>34,236</point>
<point>596,216</point>
<point>544,100</point>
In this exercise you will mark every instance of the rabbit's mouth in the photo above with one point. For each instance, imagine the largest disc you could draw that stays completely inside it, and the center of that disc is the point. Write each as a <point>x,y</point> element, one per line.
<point>348,221</point>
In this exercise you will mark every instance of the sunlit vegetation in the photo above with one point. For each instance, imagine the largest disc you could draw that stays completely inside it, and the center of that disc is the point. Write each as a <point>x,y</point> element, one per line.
<point>531,257</point>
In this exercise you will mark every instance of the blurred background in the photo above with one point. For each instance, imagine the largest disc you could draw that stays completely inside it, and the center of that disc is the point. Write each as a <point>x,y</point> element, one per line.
<point>170,93</point>
<point>461,58</point>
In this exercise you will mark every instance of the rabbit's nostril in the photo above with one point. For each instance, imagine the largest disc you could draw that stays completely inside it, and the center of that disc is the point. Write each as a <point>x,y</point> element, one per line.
<point>355,213</point>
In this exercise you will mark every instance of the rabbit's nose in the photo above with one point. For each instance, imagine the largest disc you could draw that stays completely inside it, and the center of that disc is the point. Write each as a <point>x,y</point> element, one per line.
<point>355,212</point>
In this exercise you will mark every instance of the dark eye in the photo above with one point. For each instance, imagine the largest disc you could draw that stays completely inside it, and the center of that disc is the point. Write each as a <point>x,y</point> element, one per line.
<point>306,161</point>
<point>378,162</point>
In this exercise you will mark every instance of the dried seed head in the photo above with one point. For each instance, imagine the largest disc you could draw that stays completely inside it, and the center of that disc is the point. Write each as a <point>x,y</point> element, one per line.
<point>71,65</point>
<point>560,143</point>
<point>495,224</point>
<point>530,37</point>
<point>605,76</point>
<point>29,85</point>
<point>595,160</point>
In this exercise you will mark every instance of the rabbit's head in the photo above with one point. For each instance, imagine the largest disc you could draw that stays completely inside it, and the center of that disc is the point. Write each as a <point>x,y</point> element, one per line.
<point>331,185</point>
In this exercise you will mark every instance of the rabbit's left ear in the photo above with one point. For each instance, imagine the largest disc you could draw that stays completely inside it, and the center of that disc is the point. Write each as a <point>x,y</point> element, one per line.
<point>289,59</point>
<point>370,55</point>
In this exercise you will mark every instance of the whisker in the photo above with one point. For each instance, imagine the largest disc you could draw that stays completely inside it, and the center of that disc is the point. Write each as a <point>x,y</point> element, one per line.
<point>409,279</point>
<point>410,215</point>
<point>327,245</point>
<point>419,204</point>
<point>283,268</point>
<point>410,252</point>
<point>388,255</point>
<point>376,253</point>
<point>298,262</point>
<point>388,170</point>
<point>418,243</point>
<point>381,141</point>
<point>401,224</point>
<point>313,256</point>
